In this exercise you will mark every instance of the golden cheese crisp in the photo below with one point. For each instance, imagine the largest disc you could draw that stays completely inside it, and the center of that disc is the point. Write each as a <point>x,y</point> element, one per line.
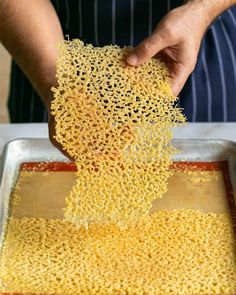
<point>170,252</point>
<point>116,122</point>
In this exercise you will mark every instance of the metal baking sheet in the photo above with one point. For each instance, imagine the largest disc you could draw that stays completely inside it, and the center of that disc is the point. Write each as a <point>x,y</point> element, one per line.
<point>41,150</point>
<point>16,152</point>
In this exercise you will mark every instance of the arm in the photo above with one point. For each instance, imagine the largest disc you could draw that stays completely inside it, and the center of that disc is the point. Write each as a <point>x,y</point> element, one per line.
<point>178,36</point>
<point>30,30</point>
<point>212,8</point>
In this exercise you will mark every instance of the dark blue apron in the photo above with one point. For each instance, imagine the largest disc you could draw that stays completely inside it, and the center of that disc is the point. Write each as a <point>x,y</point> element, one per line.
<point>210,92</point>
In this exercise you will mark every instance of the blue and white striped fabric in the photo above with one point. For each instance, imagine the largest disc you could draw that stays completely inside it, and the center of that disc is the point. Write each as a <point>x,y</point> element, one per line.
<point>210,92</point>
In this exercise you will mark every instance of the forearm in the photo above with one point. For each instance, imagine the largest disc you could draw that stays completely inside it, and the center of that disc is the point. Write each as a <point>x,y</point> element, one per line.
<point>210,8</point>
<point>30,30</point>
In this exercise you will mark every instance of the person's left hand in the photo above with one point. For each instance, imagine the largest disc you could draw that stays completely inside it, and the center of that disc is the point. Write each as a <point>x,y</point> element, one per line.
<point>176,40</point>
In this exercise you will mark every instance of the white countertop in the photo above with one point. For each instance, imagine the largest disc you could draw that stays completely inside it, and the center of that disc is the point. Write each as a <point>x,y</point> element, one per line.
<point>190,131</point>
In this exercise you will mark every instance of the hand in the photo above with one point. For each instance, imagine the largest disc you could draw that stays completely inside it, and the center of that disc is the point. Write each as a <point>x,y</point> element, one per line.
<point>176,40</point>
<point>52,126</point>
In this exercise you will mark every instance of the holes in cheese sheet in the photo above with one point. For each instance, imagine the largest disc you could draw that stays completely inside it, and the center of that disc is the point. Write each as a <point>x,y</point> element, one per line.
<point>170,252</point>
<point>115,121</point>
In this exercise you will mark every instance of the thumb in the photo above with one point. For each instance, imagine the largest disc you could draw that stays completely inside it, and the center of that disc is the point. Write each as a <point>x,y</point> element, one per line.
<point>148,48</point>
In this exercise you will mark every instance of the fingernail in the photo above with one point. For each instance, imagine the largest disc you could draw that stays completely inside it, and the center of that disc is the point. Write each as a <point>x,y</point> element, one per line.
<point>132,60</point>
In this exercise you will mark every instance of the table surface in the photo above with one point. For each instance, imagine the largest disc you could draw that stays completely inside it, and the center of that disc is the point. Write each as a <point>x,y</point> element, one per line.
<point>191,131</point>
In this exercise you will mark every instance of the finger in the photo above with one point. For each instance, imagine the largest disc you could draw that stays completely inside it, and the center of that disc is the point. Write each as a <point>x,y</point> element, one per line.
<point>146,49</point>
<point>179,78</point>
<point>55,143</point>
<point>60,148</point>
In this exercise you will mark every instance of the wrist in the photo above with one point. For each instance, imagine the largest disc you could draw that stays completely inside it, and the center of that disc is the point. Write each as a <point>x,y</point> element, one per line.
<point>204,10</point>
<point>43,78</point>
<point>208,9</point>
